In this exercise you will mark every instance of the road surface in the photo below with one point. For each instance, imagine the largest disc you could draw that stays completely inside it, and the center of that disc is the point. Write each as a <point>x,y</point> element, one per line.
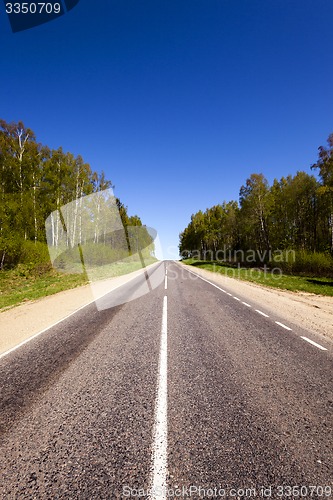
<point>186,390</point>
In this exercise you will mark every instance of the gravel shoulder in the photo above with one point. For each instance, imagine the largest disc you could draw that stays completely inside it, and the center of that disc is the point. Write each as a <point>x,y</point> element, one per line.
<point>307,310</point>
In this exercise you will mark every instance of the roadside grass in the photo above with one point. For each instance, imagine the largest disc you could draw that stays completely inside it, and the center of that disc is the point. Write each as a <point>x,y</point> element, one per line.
<point>20,285</point>
<point>26,283</point>
<point>309,284</point>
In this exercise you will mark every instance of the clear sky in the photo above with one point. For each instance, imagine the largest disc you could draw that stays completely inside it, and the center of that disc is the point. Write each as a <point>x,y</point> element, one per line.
<point>178,101</point>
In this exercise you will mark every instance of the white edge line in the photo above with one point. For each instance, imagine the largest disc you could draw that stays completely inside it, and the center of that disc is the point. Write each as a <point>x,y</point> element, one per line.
<point>314,343</point>
<point>203,279</point>
<point>12,349</point>
<point>160,439</point>
<point>222,290</point>
<point>283,326</point>
<point>45,329</point>
<point>262,313</point>
<point>245,303</point>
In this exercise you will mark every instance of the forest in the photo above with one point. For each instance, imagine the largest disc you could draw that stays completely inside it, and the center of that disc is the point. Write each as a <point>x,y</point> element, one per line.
<point>288,223</point>
<point>36,182</point>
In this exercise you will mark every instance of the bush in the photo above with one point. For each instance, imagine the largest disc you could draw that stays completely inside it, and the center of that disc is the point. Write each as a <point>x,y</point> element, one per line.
<point>306,263</point>
<point>10,251</point>
<point>34,253</point>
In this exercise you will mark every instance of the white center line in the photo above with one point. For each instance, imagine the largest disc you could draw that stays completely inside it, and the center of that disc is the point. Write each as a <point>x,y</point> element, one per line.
<point>160,440</point>
<point>246,304</point>
<point>166,283</point>
<point>283,326</point>
<point>314,343</point>
<point>236,298</point>
<point>262,313</point>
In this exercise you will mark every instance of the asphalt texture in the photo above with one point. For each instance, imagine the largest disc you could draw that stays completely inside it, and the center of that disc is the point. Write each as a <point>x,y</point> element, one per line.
<point>249,402</point>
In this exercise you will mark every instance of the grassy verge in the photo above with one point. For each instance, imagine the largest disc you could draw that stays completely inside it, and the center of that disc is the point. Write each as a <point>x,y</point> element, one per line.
<point>310,284</point>
<point>24,283</point>
<point>21,285</point>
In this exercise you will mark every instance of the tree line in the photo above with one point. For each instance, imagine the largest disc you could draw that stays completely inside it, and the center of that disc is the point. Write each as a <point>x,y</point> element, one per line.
<point>35,182</point>
<point>295,212</point>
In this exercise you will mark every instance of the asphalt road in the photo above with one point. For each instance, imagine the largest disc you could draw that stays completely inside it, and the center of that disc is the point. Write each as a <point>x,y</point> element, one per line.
<point>184,387</point>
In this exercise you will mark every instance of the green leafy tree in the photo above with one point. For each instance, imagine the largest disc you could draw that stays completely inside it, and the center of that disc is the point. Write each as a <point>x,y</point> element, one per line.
<point>255,202</point>
<point>36,182</point>
<point>325,166</point>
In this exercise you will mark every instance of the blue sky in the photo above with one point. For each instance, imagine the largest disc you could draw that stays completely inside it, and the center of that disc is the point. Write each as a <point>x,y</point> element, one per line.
<point>178,101</point>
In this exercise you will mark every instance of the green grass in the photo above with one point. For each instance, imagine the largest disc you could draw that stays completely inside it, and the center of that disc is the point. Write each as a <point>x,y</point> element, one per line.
<point>20,285</point>
<point>310,284</point>
<point>26,283</point>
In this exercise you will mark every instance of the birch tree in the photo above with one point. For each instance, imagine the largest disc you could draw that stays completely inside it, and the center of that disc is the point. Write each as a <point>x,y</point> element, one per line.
<point>325,166</point>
